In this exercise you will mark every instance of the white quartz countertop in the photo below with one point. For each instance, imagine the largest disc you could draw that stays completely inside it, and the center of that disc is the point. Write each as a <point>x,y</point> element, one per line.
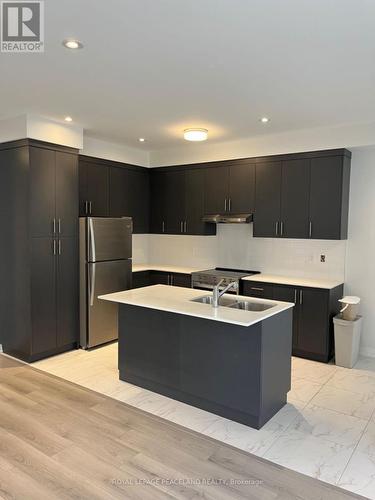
<point>164,268</point>
<point>178,300</point>
<point>293,281</point>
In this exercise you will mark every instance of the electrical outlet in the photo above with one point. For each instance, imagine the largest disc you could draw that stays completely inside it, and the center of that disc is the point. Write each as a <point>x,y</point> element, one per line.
<point>322,258</point>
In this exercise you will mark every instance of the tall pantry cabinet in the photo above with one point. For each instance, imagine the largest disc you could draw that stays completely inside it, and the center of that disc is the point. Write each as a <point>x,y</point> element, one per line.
<point>39,303</point>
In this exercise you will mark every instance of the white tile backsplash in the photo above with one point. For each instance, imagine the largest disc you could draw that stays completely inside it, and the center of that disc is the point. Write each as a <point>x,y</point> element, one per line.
<point>191,251</point>
<point>234,246</point>
<point>237,248</point>
<point>141,248</point>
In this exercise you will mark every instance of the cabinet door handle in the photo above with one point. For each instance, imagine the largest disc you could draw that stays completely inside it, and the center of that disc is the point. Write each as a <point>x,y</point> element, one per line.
<point>295,295</point>
<point>277,228</point>
<point>54,226</point>
<point>59,247</point>
<point>59,226</point>
<point>54,247</point>
<point>181,227</point>
<point>86,207</point>
<point>301,297</point>
<point>163,227</point>
<point>185,227</point>
<point>225,205</point>
<point>281,228</point>
<point>90,207</point>
<point>257,288</point>
<point>310,229</point>
<point>171,276</point>
<point>229,204</point>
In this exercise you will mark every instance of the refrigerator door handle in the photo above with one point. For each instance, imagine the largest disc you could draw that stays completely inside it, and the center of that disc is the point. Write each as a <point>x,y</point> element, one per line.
<point>92,240</point>
<point>92,283</point>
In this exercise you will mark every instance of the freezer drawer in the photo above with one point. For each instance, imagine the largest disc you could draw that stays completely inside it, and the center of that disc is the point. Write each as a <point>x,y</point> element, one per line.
<point>108,238</point>
<point>98,317</point>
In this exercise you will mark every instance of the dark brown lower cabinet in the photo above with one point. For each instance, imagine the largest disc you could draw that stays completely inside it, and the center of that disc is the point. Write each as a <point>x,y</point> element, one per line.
<point>312,315</point>
<point>147,278</point>
<point>43,295</point>
<point>54,294</point>
<point>67,292</point>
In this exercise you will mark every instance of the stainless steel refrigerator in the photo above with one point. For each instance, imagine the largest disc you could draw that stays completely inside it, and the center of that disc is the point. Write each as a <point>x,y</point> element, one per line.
<point>105,267</point>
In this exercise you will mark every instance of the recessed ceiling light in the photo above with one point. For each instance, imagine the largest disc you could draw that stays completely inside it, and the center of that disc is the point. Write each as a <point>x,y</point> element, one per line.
<point>72,44</point>
<point>141,139</point>
<point>195,134</point>
<point>68,119</point>
<point>264,119</point>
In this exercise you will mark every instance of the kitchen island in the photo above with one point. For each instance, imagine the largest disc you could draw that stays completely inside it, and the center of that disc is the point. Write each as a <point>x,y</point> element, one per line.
<point>230,361</point>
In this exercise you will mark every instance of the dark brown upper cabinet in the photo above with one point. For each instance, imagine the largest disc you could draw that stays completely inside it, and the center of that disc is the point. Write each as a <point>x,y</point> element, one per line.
<point>295,196</point>
<point>329,198</point>
<point>194,203</point>
<point>267,200</point>
<point>241,189</point>
<point>93,188</point>
<point>216,189</point>
<point>158,207</point>
<point>177,202</point>
<point>303,198</point>
<point>129,196</point>
<point>116,190</point>
<point>230,188</point>
<point>53,193</point>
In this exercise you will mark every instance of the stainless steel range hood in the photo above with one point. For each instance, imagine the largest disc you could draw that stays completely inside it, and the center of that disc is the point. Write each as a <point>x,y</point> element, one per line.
<point>228,218</point>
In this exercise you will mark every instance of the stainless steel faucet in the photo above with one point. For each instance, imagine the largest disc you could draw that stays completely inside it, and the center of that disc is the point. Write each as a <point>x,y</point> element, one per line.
<point>216,293</point>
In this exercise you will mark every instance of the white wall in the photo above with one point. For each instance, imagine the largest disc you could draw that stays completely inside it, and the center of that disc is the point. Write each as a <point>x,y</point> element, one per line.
<point>12,129</point>
<point>115,152</point>
<point>42,129</point>
<point>360,260</point>
<point>292,141</point>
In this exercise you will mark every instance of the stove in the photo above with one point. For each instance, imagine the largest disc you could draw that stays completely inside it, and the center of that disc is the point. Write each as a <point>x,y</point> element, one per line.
<point>206,280</point>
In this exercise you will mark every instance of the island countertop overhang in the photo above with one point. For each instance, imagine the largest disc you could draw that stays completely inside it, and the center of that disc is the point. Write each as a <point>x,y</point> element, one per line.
<point>179,301</point>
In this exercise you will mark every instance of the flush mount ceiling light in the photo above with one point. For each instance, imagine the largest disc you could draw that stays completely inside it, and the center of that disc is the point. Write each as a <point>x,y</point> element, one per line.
<point>195,134</point>
<point>68,119</point>
<point>141,139</point>
<point>72,44</point>
<point>264,119</point>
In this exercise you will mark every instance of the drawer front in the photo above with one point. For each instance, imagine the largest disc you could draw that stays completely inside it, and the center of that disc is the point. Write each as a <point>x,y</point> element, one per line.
<point>261,290</point>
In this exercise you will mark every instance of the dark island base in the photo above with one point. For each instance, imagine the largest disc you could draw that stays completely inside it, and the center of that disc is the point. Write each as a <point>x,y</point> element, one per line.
<point>240,373</point>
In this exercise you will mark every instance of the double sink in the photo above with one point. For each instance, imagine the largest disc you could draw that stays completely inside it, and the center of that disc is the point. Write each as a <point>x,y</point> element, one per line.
<point>244,305</point>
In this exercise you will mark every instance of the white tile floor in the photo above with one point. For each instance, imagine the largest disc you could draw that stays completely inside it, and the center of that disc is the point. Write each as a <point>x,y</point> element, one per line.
<point>327,429</point>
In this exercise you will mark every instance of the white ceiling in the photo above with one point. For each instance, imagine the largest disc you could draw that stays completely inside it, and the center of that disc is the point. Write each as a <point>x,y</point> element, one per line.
<point>151,68</point>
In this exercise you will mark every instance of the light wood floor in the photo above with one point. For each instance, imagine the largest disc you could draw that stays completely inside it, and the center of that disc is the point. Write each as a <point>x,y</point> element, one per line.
<point>61,441</point>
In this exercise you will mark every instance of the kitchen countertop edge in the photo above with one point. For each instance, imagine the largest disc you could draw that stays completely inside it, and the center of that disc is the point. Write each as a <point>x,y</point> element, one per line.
<point>293,281</point>
<point>178,300</point>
